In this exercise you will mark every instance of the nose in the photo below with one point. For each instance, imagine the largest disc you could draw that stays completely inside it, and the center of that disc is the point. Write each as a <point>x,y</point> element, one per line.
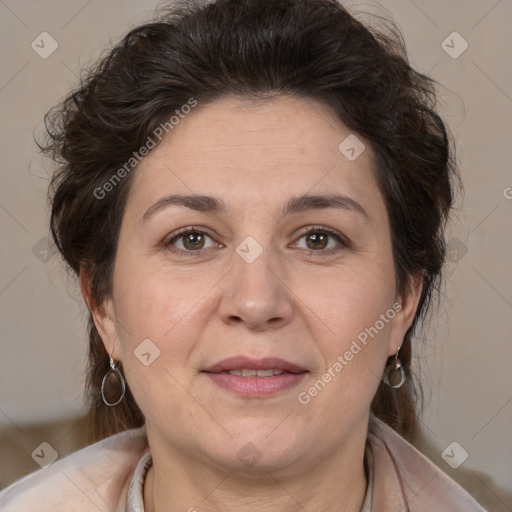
<point>256,294</point>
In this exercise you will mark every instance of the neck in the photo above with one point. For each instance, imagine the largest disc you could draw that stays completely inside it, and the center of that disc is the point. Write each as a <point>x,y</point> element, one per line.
<point>332,484</point>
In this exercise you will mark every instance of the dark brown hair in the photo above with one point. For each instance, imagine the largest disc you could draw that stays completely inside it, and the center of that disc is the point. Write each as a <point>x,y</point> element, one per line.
<point>260,49</point>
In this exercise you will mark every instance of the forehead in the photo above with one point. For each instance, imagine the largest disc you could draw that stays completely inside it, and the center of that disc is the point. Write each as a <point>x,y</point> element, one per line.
<point>260,151</point>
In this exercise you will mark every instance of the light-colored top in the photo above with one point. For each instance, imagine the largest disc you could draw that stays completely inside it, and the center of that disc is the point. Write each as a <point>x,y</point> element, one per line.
<point>108,477</point>
<point>135,501</point>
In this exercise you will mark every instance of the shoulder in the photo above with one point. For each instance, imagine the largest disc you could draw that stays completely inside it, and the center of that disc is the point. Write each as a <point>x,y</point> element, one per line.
<point>423,485</point>
<point>94,478</point>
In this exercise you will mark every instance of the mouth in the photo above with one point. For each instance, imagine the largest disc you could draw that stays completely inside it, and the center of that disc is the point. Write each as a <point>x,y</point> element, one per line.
<point>255,378</point>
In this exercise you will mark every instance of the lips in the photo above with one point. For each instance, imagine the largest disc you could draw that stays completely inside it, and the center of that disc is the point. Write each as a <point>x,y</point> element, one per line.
<point>246,372</point>
<point>255,378</point>
<point>240,363</point>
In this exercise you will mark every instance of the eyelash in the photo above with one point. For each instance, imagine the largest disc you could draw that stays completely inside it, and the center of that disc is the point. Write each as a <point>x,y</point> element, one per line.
<point>344,243</point>
<point>181,234</point>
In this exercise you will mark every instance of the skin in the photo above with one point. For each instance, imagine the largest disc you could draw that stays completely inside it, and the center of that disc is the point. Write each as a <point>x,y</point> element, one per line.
<point>298,300</point>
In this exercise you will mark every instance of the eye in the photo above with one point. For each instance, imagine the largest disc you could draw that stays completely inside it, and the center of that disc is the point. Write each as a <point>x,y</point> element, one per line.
<point>190,240</point>
<point>321,240</point>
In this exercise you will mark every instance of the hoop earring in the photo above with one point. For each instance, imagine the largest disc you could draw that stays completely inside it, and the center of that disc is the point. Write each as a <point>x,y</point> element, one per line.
<point>113,374</point>
<point>394,374</point>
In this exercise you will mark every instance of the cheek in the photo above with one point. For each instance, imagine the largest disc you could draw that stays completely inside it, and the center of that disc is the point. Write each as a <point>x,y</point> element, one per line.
<point>154,303</point>
<point>351,300</point>
<point>164,317</point>
<point>351,316</point>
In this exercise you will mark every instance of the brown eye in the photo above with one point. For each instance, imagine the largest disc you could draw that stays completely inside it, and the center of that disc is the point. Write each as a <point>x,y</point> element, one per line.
<point>193,241</point>
<point>317,240</point>
<point>321,241</point>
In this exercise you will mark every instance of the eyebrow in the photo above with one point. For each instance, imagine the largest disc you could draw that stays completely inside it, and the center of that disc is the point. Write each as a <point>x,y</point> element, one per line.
<point>194,202</point>
<point>208,204</point>
<point>318,202</point>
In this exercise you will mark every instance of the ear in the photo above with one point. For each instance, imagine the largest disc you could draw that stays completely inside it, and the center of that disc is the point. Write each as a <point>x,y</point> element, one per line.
<point>406,306</point>
<point>102,314</point>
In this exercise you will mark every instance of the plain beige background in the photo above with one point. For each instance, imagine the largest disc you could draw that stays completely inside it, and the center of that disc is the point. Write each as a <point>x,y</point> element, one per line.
<point>467,352</point>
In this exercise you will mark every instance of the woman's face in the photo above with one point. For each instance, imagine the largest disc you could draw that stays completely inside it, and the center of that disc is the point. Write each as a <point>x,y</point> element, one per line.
<point>251,241</point>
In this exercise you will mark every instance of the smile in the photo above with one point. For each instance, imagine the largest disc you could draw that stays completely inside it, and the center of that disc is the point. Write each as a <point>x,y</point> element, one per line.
<point>255,373</point>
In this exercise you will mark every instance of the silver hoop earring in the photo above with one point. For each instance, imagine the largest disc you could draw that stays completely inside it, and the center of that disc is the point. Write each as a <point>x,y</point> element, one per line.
<point>113,377</point>
<point>394,374</point>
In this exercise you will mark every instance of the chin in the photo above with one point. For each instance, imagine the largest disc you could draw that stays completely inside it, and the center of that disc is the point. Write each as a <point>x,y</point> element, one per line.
<point>260,446</point>
<point>255,459</point>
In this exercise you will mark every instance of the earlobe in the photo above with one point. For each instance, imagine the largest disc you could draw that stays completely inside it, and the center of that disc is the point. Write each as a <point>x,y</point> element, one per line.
<point>102,314</point>
<point>403,320</point>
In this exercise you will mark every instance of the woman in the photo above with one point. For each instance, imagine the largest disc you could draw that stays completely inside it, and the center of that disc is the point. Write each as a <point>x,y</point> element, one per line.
<point>253,194</point>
